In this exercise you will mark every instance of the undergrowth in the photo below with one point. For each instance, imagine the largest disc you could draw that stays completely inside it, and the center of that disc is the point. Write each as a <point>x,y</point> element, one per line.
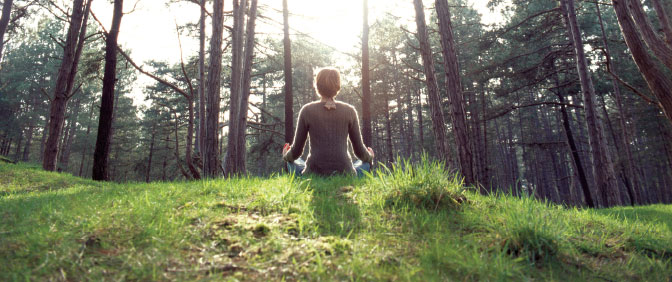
<point>403,222</point>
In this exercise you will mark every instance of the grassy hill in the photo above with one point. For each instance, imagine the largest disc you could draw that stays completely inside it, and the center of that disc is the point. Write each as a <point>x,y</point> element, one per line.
<point>412,224</point>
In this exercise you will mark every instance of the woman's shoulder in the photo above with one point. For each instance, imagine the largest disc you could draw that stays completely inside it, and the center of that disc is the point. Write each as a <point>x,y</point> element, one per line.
<point>345,105</point>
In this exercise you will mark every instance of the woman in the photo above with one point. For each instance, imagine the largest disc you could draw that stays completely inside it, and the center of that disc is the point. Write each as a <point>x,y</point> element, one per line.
<point>329,124</point>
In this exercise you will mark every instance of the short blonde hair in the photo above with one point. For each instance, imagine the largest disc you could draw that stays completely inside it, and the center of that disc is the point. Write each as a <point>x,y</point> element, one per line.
<point>328,82</point>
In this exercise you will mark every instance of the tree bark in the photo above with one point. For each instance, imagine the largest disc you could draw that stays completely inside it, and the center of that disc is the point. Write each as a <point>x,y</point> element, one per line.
<point>240,157</point>
<point>151,154</point>
<point>289,98</point>
<point>202,120</point>
<point>230,161</point>
<point>454,90</point>
<point>366,82</point>
<point>64,158</point>
<point>659,84</point>
<point>4,22</point>
<point>603,170</point>
<point>29,140</point>
<point>102,150</point>
<point>88,130</point>
<point>438,120</point>
<point>632,182</point>
<point>61,91</point>
<point>211,167</point>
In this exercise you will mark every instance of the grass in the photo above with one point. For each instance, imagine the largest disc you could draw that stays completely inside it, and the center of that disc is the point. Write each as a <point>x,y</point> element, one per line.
<point>404,223</point>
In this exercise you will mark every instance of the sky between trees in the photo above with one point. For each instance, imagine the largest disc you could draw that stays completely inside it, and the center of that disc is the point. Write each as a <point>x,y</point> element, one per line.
<point>149,31</point>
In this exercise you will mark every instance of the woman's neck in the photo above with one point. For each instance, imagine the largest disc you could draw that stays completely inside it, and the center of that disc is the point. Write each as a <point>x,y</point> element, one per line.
<point>325,99</point>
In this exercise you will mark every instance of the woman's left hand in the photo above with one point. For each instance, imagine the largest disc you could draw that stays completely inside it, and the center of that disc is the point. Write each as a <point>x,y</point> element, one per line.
<point>286,149</point>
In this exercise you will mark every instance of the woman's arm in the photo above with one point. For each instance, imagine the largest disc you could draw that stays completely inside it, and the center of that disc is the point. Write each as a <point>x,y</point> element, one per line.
<point>356,138</point>
<point>300,137</point>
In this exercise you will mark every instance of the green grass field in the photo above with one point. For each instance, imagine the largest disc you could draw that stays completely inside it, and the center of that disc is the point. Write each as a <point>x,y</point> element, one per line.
<point>404,224</point>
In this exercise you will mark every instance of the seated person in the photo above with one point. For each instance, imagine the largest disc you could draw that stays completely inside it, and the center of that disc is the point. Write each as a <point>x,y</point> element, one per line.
<point>329,123</point>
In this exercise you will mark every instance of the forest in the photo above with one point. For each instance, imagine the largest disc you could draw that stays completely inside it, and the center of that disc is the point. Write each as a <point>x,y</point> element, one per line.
<point>514,140</point>
<point>568,101</point>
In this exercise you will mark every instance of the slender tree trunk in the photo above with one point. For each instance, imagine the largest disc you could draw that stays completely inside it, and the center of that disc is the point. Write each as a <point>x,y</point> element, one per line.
<point>104,138</point>
<point>17,150</point>
<point>603,169</point>
<point>409,114</point>
<point>177,148</point>
<point>64,158</point>
<point>438,120</point>
<point>202,121</point>
<point>29,140</point>
<point>289,98</point>
<point>190,138</point>
<point>88,130</point>
<point>240,157</point>
<point>421,123</point>
<point>659,84</point>
<point>230,161</point>
<point>151,154</point>
<point>43,139</point>
<point>455,94</point>
<point>4,22</point>
<point>62,89</point>
<point>388,129</point>
<point>631,182</point>
<point>211,167</point>
<point>366,82</point>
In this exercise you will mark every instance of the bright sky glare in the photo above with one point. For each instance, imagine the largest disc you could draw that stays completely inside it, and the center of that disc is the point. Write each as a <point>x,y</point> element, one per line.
<point>149,31</point>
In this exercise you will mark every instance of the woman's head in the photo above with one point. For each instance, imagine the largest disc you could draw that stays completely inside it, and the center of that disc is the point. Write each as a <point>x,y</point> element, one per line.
<point>328,82</point>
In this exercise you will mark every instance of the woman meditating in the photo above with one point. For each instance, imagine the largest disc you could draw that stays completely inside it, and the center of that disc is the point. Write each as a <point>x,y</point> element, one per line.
<point>329,123</point>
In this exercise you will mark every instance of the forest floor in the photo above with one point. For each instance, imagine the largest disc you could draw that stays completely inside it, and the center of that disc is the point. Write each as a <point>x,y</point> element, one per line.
<point>412,224</point>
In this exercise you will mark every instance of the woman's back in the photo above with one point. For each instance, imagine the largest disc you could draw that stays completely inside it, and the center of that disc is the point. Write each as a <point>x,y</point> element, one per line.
<point>328,130</point>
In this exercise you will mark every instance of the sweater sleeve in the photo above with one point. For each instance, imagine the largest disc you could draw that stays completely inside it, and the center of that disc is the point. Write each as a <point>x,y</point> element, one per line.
<point>356,139</point>
<point>300,137</point>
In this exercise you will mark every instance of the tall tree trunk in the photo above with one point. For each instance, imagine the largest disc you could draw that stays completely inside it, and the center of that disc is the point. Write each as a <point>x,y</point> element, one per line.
<point>388,128</point>
<point>438,121</point>
<point>17,150</point>
<point>29,140</point>
<point>240,157</point>
<point>64,158</point>
<point>455,95</point>
<point>603,170</point>
<point>366,82</point>
<point>151,154</point>
<point>4,22</point>
<point>63,87</point>
<point>190,138</point>
<point>230,161</point>
<point>632,182</point>
<point>409,113</point>
<point>43,139</point>
<point>177,148</point>
<point>289,98</point>
<point>88,130</point>
<point>659,84</point>
<point>103,140</point>
<point>211,167</point>
<point>202,121</point>
<point>574,152</point>
<point>421,122</point>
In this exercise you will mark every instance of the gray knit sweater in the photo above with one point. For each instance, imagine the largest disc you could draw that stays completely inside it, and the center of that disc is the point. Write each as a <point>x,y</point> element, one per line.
<point>329,131</point>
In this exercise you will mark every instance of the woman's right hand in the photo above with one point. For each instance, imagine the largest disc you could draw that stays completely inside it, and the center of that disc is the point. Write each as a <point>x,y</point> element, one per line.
<point>370,152</point>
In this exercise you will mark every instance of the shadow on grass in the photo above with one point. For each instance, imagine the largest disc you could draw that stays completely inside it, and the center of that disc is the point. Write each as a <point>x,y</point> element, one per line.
<point>645,214</point>
<point>334,208</point>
